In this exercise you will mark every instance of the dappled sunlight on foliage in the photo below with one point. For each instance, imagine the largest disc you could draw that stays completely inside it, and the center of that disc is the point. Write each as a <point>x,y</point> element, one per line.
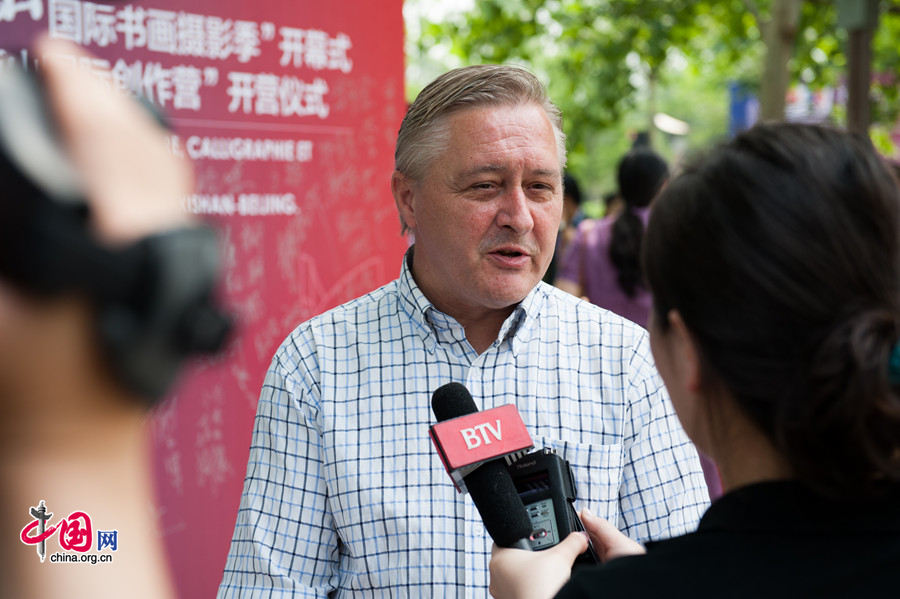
<point>611,64</point>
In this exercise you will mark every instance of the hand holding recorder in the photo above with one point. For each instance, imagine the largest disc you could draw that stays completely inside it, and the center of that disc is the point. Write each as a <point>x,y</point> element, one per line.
<point>520,575</point>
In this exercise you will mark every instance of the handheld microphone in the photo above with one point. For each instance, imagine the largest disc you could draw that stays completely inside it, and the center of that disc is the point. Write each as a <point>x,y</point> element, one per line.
<point>489,484</point>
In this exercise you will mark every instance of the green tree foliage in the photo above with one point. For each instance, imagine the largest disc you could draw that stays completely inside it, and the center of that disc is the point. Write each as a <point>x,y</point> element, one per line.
<point>581,48</point>
<point>886,66</point>
<point>610,64</point>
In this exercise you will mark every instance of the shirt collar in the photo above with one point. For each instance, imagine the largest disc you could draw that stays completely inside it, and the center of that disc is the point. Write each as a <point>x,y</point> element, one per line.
<point>414,303</point>
<point>522,325</point>
<point>518,328</point>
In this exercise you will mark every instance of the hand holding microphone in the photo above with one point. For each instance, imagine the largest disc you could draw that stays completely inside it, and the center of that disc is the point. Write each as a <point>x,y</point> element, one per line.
<point>472,446</point>
<point>536,575</point>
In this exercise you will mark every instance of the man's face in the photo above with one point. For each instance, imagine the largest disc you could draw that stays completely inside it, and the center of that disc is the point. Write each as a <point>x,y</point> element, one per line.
<point>486,213</point>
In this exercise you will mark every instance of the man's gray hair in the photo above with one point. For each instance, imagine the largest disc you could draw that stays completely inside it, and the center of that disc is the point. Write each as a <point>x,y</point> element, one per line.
<point>424,133</point>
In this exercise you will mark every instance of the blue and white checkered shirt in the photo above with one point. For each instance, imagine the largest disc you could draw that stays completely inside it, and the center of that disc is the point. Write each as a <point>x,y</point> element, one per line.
<point>344,493</point>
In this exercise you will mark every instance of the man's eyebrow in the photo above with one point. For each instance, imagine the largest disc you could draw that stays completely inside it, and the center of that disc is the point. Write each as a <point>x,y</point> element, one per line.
<point>496,168</point>
<point>484,168</point>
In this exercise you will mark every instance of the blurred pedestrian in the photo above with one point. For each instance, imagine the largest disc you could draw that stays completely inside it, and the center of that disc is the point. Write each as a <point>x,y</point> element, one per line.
<point>602,262</point>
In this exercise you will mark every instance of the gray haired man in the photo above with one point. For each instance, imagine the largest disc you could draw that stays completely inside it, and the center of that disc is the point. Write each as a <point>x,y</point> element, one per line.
<point>344,495</point>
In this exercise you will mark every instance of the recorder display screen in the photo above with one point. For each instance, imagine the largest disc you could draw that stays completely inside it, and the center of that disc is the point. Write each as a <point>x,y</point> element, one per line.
<point>543,523</point>
<point>535,493</point>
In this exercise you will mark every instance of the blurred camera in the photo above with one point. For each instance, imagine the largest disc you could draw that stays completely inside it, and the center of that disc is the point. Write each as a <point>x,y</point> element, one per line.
<point>154,300</point>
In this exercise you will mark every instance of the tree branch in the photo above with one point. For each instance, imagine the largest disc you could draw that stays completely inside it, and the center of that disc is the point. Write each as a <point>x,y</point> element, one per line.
<point>892,7</point>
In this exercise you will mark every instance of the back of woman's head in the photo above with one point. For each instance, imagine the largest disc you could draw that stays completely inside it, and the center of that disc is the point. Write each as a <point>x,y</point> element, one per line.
<point>571,188</point>
<point>780,251</point>
<point>641,174</point>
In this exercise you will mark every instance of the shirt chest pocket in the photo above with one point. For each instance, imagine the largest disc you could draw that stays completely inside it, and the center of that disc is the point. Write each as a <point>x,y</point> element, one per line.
<point>597,470</point>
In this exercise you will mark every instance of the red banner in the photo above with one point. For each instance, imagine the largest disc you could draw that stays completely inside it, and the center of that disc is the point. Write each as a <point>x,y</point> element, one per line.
<point>289,111</point>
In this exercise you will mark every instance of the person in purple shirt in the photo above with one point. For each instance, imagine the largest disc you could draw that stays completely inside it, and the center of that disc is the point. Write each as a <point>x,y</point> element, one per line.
<point>603,261</point>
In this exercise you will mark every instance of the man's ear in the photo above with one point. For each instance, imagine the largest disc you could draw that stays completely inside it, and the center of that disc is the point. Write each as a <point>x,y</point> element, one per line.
<point>403,189</point>
<point>686,350</point>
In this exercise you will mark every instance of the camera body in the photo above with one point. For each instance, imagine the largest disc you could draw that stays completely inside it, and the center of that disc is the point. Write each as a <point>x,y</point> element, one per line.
<point>546,486</point>
<point>153,300</point>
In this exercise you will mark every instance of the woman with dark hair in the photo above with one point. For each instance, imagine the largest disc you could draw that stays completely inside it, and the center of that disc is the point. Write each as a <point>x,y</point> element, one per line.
<point>774,265</point>
<point>602,261</point>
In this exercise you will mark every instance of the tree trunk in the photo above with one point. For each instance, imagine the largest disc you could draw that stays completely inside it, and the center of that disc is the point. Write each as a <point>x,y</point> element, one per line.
<point>651,105</point>
<point>859,66</point>
<point>778,34</point>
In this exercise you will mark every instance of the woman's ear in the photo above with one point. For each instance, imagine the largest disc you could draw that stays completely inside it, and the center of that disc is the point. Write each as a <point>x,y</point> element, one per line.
<point>686,352</point>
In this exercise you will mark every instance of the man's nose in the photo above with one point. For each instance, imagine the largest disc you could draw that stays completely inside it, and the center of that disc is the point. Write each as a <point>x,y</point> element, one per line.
<point>515,211</point>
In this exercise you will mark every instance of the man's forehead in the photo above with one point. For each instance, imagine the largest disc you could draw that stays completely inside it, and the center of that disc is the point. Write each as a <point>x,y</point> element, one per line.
<point>506,128</point>
<point>481,112</point>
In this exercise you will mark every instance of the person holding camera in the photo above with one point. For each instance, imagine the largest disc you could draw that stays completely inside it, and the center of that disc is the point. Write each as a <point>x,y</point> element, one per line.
<point>90,327</point>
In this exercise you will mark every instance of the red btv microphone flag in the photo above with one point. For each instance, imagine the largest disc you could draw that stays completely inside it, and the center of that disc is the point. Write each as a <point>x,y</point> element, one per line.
<point>466,442</point>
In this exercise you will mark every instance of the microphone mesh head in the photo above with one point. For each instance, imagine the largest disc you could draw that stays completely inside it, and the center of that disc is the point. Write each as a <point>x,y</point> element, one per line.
<point>452,400</point>
<point>502,511</point>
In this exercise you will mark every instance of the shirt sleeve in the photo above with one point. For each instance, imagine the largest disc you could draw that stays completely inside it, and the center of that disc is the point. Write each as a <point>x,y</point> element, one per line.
<point>570,267</point>
<point>663,492</point>
<point>285,543</point>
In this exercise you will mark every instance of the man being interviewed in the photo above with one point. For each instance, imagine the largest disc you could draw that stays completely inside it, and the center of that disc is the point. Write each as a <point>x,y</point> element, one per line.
<point>344,495</point>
